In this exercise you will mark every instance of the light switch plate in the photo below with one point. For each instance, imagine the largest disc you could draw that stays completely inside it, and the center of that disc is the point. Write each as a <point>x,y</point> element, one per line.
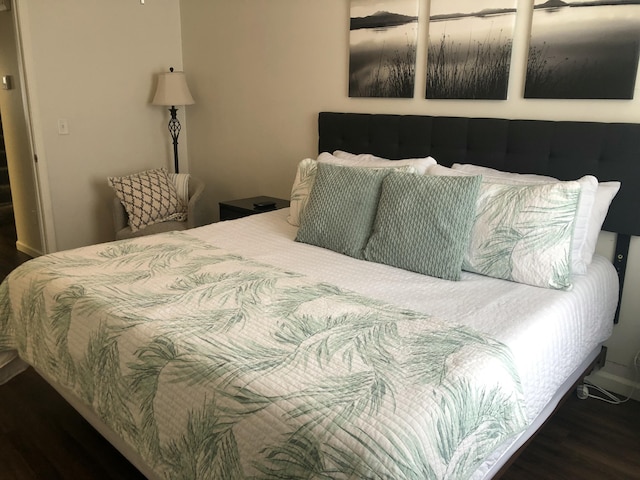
<point>7,83</point>
<point>63,126</point>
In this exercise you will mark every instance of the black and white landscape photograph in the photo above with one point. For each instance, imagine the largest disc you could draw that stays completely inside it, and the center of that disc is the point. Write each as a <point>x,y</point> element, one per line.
<point>583,49</point>
<point>469,49</point>
<point>382,48</point>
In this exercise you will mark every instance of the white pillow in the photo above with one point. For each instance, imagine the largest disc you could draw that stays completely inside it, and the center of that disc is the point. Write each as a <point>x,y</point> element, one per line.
<point>441,170</point>
<point>604,196</point>
<point>371,161</point>
<point>595,199</point>
<point>306,175</point>
<point>478,170</point>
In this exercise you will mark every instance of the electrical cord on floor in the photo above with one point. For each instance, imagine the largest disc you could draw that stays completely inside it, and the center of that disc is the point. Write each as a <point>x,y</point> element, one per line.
<point>583,390</point>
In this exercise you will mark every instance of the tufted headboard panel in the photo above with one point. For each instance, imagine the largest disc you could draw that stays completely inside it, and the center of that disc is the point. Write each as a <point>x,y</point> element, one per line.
<point>562,149</point>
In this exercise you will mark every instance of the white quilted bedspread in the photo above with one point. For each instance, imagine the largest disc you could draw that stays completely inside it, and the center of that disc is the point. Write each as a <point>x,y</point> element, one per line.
<point>211,365</point>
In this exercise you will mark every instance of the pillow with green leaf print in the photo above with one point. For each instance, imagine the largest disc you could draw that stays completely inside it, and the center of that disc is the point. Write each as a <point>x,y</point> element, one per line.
<point>523,233</point>
<point>302,184</point>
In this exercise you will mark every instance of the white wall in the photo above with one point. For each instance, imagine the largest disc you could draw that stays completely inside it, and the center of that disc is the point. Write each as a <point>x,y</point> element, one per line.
<point>93,63</point>
<point>260,72</point>
<point>17,142</point>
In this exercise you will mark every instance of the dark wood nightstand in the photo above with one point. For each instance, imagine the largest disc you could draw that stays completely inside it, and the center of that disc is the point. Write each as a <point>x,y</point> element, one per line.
<point>249,206</point>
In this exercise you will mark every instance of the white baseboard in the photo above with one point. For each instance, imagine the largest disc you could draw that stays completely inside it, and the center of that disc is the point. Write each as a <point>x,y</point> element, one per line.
<point>619,385</point>
<point>28,250</point>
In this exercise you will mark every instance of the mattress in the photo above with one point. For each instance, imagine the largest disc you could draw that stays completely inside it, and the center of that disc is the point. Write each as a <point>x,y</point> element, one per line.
<point>549,332</point>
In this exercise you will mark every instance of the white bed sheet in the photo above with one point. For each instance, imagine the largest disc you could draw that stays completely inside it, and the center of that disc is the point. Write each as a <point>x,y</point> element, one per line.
<point>549,332</point>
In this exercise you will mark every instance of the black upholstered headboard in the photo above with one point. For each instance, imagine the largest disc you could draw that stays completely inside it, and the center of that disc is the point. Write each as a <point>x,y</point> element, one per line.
<point>565,150</point>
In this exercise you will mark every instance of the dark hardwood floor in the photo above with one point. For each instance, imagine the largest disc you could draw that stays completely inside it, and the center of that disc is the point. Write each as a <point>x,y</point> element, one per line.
<point>10,258</point>
<point>42,437</point>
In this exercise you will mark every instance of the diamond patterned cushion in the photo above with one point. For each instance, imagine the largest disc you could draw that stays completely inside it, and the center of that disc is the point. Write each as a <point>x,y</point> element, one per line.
<point>148,197</point>
<point>341,208</point>
<point>424,223</point>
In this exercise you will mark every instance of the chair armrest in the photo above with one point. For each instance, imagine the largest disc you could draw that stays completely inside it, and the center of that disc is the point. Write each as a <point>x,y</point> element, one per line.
<point>196,213</point>
<point>120,217</point>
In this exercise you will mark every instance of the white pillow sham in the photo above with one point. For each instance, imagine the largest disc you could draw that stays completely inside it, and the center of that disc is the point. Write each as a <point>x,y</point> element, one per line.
<point>523,233</point>
<point>306,174</point>
<point>593,206</point>
<point>305,177</point>
<point>604,196</point>
<point>371,161</point>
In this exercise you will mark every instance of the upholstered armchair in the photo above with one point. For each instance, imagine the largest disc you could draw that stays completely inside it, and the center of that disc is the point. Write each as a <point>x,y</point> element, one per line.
<point>196,215</point>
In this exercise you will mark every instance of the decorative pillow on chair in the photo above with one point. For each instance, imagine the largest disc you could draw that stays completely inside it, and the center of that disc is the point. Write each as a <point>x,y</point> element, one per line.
<point>148,197</point>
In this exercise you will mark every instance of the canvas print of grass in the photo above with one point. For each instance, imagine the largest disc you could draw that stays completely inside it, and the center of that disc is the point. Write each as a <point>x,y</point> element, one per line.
<point>470,48</point>
<point>382,48</point>
<point>583,49</point>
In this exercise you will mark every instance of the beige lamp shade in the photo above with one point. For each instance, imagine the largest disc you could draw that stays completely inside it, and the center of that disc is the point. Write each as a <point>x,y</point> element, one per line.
<point>172,90</point>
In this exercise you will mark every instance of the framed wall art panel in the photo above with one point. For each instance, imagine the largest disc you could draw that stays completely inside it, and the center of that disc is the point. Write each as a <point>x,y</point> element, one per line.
<point>583,50</point>
<point>469,49</point>
<point>382,50</point>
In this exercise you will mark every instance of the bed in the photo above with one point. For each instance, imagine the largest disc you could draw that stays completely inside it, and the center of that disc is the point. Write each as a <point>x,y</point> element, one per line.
<point>234,351</point>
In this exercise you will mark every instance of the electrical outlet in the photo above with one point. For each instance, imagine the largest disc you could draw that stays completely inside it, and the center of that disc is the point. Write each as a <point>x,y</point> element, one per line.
<point>7,82</point>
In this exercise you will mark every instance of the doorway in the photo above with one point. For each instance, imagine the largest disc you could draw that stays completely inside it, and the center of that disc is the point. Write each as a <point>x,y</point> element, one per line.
<point>7,219</point>
<point>20,223</point>
<point>10,257</point>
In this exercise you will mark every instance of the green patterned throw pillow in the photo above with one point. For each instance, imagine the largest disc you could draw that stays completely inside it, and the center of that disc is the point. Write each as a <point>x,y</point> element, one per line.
<point>341,208</point>
<point>423,223</point>
<point>523,233</point>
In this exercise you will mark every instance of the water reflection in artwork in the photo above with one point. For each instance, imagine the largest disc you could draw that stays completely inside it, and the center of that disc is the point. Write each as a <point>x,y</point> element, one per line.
<point>383,38</point>
<point>585,49</point>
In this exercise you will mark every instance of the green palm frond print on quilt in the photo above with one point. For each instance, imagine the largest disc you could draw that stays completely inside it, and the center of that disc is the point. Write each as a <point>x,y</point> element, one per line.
<point>217,367</point>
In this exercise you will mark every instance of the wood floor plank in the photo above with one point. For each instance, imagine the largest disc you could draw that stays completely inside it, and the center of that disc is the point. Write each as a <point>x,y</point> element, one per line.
<point>586,439</point>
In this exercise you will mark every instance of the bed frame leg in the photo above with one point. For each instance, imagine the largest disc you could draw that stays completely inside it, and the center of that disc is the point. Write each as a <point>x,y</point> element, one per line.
<point>596,365</point>
<point>600,360</point>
